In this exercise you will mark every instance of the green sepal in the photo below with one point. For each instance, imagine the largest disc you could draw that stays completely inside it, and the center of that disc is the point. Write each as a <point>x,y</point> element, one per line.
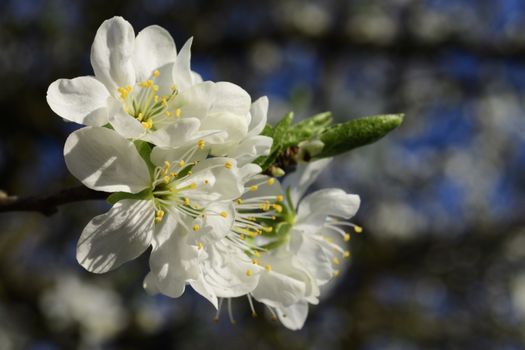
<point>144,148</point>
<point>278,133</point>
<point>118,196</point>
<point>355,133</point>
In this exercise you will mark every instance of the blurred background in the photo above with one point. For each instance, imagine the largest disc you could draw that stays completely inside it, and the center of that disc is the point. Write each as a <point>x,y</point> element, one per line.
<point>441,264</point>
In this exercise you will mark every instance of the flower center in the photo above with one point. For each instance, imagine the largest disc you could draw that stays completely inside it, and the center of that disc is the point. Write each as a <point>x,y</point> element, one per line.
<point>145,103</point>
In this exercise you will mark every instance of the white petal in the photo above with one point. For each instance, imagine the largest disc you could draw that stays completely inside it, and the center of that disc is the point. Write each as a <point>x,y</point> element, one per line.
<point>172,261</point>
<point>124,124</point>
<point>82,100</point>
<point>230,98</point>
<point>111,54</point>
<point>217,221</point>
<point>224,182</point>
<point>181,133</point>
<point>154,47</point>
<point>251,148</point>
<point>204,289</point>
<point>331,201</point>
<point>104,161</point>
<point>283,285</point>
<point>235,126</point>
<point>224,271</point>
<point>248,171</point>
<point>182,75</point>
<point>259,112</point>
<point>196,101</point>
<point>315,257</point>
<point>303,177</point>
<point>196,78</point>
<point>120,235</point>
<point>293,316</point>
<point>150,284</point>
<point>161,154</point>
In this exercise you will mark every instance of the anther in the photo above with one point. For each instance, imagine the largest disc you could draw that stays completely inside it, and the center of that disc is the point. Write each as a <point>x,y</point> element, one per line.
<point>167,179</point>
<point>346,254</point>
<point>271,181</point>
<point>223,214</point>
<point>193,185</point>
<point>279,198</point>
<point>199,245</point>
<point>228,165</point>
<point>178,112</point>
<point>147,124</point>
<point>336,261</point>
<point>201,144</point>
<point>156,73</point>
<point>358,229</point>
<point>196,227</point>
<point>337,273</point>
<point>268,267</point>
<point>278,208</point>
<point>249,272</point>
<point>181,163</point>
<point>254,188</point>
<point>346,237</point>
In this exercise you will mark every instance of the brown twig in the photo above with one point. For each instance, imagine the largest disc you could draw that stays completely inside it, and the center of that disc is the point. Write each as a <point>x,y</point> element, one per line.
<point>48,204</point>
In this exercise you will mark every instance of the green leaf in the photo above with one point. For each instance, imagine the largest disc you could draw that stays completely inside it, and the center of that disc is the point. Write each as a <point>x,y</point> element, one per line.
<point>355,133</point>
<point>278,133</point>
<point>309,128</point>
<point>118,196</point>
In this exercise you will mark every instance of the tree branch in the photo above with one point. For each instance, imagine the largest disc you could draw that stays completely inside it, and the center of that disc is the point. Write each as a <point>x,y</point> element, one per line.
<point>48,204</point>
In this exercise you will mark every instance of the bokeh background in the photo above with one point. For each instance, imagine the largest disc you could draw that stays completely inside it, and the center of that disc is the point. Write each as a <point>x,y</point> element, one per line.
<point>441,264</point>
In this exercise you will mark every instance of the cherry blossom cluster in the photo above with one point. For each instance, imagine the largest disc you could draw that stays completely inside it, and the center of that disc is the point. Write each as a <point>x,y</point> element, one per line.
<point>176,155</point>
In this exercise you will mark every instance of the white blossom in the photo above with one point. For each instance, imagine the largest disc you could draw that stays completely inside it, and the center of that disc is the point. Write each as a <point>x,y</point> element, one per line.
<point>155,200</point>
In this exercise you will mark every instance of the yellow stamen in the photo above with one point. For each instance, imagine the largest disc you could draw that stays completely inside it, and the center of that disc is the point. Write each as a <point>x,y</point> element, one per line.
<point>239,201</point>
<point>159,215</point>
<point>254,188</point>
<point>178,112</point>
<point>346,237</point>
<point>193,185</point>
<point>167,179</point>
<point>337,273</point>
<point>228,165</point>
<point>336,261</point>
<point>358,229</point>
<point>279,198</point>
<point>199,245</point>
<point>201,144</point>
<point>224,214</point>
<point>186,201</point>
<point>249,272</point>
<point>168,114</point>
<point>256,253</point>
<point>173,174</point>
<point>346,254</point>
<point>181,163</point>
<point>268,267</point>
<point>156,73</point>
<point>271,181</point>
<point>278,208</point>
<point>196,227</point>
<point>147,124</point>
<point>140,116</point>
